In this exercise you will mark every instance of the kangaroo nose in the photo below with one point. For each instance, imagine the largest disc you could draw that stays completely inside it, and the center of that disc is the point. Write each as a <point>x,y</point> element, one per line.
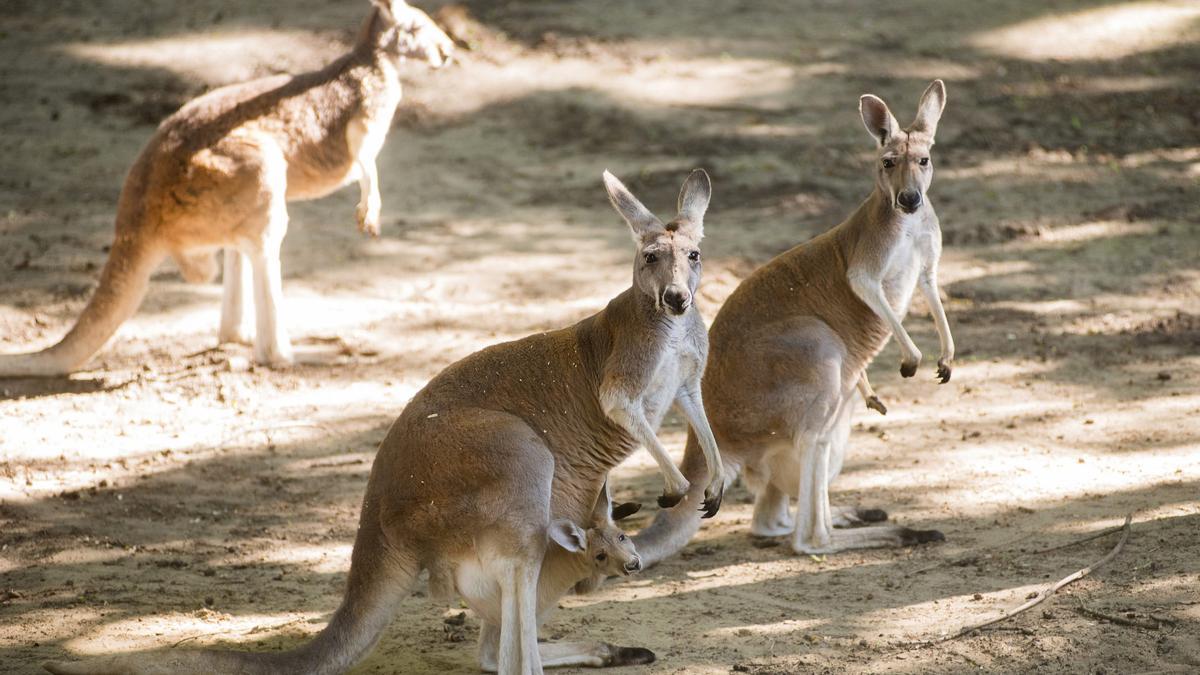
<point>675,299</point>
<point>909,200</point>
<point>634,565</point>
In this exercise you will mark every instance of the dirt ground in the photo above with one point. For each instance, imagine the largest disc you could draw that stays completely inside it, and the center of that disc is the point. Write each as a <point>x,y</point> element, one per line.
<point>173,497</point>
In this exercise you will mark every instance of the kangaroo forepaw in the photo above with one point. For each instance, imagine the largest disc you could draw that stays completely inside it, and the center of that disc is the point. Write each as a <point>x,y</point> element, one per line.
<point>943,371</point>
<point>629,656</point>
<point>908,369</point>
<point>913,537</point>
<point>666,500</point>
<point>875,404</point>
<point>712,502</point>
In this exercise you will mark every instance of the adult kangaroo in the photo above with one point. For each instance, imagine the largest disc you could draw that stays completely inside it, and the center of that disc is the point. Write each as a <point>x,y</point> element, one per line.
<point>219,173</point>
<point>499,446</point>
<point>788,348</point>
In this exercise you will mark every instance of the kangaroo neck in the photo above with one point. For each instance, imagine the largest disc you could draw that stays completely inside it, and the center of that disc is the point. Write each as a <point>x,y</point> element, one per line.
<point>561,569</point>
<point>368,49</point>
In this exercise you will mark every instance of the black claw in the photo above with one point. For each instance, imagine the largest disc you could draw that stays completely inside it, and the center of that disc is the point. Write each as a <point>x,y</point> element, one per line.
<point>872,515</point>
<point>667,501</point>
<point>625,509</point>
<point>908,369</point>
<point>943,372</point>
<point>913,537</point>
<point>712,505</point>
<point>631,656</point>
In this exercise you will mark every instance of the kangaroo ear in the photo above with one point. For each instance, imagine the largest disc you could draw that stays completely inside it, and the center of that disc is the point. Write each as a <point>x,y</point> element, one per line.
<point>929,110</point>
<point>641,221</point>
<point>625,509</point>
<point>385,8</point>
<point>877,118</point>
<point>693,200</point>
<point>602,509</point>
<point>568,535</point>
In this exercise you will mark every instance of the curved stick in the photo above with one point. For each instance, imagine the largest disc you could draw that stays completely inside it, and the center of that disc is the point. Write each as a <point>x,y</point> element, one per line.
<point>1046,593</point>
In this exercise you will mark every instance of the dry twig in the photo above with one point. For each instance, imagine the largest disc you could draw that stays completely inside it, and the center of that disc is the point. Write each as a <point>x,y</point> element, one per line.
<point>1113,618</point>
<point>1090,537</point>
<point>1046,593</point>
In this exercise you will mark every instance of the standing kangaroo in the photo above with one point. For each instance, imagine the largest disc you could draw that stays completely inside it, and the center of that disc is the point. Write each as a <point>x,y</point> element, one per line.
<point>503,443</point>
<point>791,344</point>
<point>219,173</point>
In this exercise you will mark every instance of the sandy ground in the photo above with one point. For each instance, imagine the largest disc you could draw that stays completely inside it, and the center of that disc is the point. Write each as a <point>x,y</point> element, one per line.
<point>171,497</point>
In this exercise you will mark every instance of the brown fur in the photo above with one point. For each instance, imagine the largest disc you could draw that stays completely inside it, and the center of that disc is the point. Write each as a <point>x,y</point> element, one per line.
<point>493,451</point>
<point>793,341</point>
<point>218,173</point>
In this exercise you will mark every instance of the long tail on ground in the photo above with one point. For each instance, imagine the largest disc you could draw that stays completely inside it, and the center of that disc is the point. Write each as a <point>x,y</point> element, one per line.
<point>379,580</point>
<point>123,284</point>
<point>673,528</point>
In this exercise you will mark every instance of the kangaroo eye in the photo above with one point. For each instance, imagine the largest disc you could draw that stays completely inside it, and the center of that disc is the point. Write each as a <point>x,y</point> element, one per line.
<point>694,256</point>
<point>888,162</point>
<point>601,557</point>
<point>621,538</point>
<point>924,161</point>
<point>651,258</point>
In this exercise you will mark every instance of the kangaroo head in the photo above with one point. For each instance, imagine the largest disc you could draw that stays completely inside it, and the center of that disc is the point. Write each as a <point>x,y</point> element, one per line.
<point>405,32</point>
<point>605,548</point>
<point>667,266</point>
<point>612,551</point>
<point>903,167</point>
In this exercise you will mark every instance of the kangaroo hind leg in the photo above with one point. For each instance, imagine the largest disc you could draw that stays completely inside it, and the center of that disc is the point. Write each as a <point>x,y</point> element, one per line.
<point>237,307</point>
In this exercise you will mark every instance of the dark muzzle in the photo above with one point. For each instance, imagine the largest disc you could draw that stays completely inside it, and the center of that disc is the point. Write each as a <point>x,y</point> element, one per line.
<point>909,200</point>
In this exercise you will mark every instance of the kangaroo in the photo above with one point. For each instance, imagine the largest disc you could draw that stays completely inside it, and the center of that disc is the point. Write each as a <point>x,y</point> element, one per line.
<point>572,557</point>
<point>503,443</point>
<point>219,173</point>
<point>791,343</point>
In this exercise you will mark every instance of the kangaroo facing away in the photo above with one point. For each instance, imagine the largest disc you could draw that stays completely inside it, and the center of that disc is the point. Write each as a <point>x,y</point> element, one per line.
<point>791,344</point>
<point>502,444</point>
<point>219,173</point>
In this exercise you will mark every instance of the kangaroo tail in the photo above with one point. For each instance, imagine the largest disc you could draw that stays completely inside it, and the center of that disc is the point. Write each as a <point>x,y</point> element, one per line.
<point>673,528</point>
<point>122,286</point>
<point>379,580</point>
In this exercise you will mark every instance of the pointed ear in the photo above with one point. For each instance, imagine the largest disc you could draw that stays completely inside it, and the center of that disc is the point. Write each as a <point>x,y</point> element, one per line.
<point>877,118</point>
<point>640,220</point>
<point>693,200</point>
<point>929,111</point>
<point>602,509</point>
<point>568,535</point>
<point>385,8</point>
<point>625,509</point>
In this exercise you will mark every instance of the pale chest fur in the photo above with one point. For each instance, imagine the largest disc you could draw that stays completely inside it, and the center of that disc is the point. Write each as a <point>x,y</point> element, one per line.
<point>680,360</point>
<point>911,252</point>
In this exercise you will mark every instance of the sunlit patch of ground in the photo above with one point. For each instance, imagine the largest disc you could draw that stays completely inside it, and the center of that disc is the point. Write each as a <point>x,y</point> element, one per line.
<point>1100,33</point>
<point>174,494</point>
